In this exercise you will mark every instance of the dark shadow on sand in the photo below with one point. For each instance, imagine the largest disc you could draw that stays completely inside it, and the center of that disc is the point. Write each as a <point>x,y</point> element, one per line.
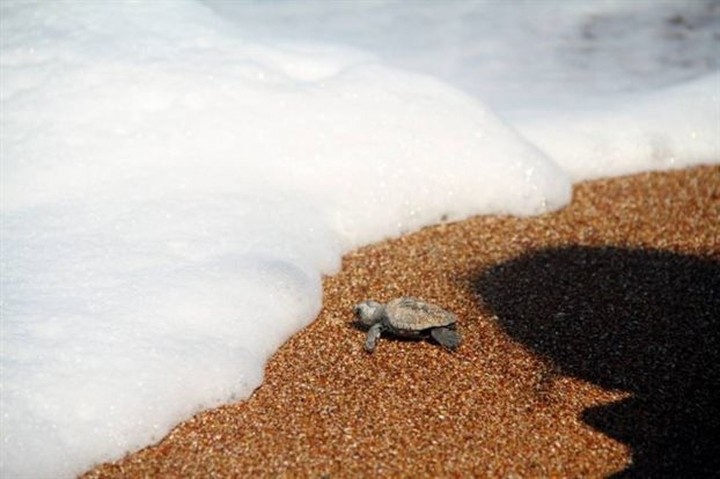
<point>642,321</point>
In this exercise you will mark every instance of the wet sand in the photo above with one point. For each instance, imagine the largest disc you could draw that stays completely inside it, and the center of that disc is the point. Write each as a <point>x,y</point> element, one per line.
<point>590,348</point>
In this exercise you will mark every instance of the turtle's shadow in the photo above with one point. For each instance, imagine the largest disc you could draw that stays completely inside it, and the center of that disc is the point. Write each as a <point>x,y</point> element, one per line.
<point>642,321</point>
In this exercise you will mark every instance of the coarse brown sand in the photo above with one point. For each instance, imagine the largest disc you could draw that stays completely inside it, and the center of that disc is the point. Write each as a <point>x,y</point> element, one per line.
<point>590,348</point>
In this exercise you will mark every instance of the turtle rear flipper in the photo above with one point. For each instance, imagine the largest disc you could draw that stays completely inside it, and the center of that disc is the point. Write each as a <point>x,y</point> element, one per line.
<point>446,336</point>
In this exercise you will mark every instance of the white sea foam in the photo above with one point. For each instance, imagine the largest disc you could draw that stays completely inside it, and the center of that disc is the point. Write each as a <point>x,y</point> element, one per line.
<point>667,128</point>
<point>175,184</point>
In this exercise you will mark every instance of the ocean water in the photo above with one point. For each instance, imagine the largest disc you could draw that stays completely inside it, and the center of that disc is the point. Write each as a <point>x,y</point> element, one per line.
<point>178,176</point>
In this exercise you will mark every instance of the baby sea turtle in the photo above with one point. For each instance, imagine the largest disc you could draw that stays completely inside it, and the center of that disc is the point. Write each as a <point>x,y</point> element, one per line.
<point>409,318</point>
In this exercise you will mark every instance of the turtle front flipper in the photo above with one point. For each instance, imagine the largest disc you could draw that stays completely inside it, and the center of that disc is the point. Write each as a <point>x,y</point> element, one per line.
<point>447,336</point>
<point>372,337</point>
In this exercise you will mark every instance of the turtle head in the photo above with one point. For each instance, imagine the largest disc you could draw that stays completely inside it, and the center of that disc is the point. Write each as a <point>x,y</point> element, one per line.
<point>368,312</point>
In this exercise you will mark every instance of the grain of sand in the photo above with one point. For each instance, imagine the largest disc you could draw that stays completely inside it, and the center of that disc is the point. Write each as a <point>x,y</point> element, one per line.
<point>590,348</point>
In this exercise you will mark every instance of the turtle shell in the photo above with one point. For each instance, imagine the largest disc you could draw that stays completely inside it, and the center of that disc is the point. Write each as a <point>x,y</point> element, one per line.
<point>411,314</point>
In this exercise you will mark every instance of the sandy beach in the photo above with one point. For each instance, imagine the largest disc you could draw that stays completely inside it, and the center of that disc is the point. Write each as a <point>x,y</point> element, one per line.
<point>590,349</point>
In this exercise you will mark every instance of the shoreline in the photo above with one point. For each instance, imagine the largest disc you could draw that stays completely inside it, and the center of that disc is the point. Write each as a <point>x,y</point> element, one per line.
<point>585,332</point>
